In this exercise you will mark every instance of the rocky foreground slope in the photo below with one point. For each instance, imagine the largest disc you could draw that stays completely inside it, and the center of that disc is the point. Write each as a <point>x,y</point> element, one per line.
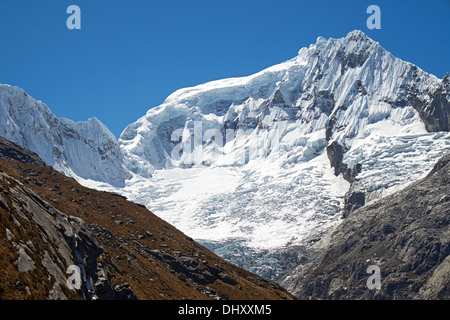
<point>407,235</point>
<point>49,222</point>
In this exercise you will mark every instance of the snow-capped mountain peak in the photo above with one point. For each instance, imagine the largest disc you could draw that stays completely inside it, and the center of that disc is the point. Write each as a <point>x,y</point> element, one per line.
<point>343,85</point>
<point>85,149</point>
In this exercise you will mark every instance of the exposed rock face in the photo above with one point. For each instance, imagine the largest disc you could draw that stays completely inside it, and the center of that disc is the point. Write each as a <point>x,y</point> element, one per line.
<point>47,242</point>
<point>12,152</point>
<point>407,235</point>
<point>353,201</point>
<point>435,111</point>
<point>335,153</point>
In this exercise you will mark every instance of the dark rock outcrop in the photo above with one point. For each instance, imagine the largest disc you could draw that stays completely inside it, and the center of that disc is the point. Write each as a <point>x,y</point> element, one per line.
<point>13,152</point>
<point>353,201</point>
<point>63,241</point>
<point>335,153</point>
<point>435,113</point>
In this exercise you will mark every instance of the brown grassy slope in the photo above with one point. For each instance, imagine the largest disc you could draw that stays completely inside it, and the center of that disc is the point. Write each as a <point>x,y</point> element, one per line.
<point>154,258</point>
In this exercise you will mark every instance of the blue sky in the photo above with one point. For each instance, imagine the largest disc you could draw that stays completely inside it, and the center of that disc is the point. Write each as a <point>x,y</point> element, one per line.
<point>130,55</point>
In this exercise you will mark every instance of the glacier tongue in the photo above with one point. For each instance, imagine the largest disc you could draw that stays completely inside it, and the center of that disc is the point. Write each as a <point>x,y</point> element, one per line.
<point>84,149</point>
<point>245,164</point>
<point>263,203</point>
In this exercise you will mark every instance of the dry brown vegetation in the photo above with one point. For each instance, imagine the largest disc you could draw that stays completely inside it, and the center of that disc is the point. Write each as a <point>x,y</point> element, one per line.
<point>154,258</point>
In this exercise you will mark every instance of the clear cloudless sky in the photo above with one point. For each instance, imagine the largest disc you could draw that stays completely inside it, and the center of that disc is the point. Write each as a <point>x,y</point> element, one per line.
<point>130,55</point>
